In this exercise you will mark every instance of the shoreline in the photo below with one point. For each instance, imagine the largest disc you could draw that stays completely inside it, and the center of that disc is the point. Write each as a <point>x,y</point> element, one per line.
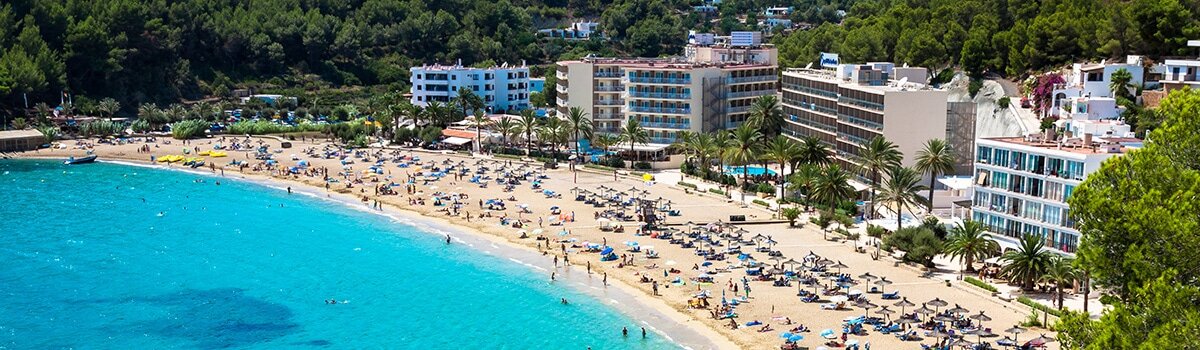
<point>621,297</point>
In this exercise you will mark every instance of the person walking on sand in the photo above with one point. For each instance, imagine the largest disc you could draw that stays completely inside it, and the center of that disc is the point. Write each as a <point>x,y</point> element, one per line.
<point>643,332</point>
<point>606,278</point>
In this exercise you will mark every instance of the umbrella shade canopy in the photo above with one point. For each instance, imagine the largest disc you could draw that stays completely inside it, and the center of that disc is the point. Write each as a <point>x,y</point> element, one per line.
<point>839,298</point>
<point>866,305</point>
<point>937,302</point>
<point>904,303</point>
<point>939,334</point>
<point>883,282</point>
<point>828,334</point>
<point>984,333</point>
<point>923,310</point>
<point>1015,330</point>
<point>867,276</point>
<point>980,317</point>
<point>839,265</point>
<point>957,310</point>
<point>908,320</point>
<point>884,311</point>
<point>1041,340</point>
<point>962,342</point>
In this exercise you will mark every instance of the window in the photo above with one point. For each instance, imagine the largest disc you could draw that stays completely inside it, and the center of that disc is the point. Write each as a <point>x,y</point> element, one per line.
<point>984,154</point>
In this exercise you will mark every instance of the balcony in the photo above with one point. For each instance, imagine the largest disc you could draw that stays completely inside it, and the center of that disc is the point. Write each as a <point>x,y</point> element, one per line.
<point>739,109</point>
<point>606,74</point>
<point>863,123</point>
<point>660,80</point>
<point>811,91</point>
<point>607,130</point>
<point>667,125</point>
<point>662,140</point>
<point>751,79</point>
<point>609,88</point>
<point>560,88</point>
<point>561,102</point>
<point>663,110</point>
<point>661,95</point>
<point>615,102</point>
<point>608,116</point>
<point>560,75</point>
<point>861,103</point>
<point>755,93</point>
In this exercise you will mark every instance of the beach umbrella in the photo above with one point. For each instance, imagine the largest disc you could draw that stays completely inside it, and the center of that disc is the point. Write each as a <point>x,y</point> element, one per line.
<point>775,271</point>
<point>1015,330</point>
<point>885,312</point>
<point>1041,340</point>
<point>937,303</point>
<point>606,251</point>
<point>792,263</point>
<point>828,334</point>
<point>795,338</point>
<point>839,299</point>
<point>983,333</point>
<point>957,310</point>
<point>924,310</point>
<point>943,318</point>
<point>537,232</point>
<point>882,282</point>
<point>867,276</point>
<point>980,317</point>
<point>866,306</point>
<point>903,303</point>
<point>839,266</point>
<point>907,320</point>
<point>961,343</point>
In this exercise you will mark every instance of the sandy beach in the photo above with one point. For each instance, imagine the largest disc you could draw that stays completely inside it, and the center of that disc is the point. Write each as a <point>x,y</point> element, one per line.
<point>767,304</point>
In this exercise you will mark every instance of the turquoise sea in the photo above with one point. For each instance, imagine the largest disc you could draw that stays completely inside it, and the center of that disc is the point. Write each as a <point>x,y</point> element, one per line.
<point>89,263</point>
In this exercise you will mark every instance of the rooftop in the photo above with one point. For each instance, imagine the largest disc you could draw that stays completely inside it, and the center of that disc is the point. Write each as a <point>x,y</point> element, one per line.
<point>19,134</point>
<point>1073,145</point>
<point>662,63</point>
<point>459,66</point>
<point>830,76</point>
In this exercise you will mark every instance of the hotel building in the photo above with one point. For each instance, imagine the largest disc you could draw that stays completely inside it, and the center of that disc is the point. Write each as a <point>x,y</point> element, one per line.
<point>1022,184</point>
<point>502,88</point>
<point>848,106</point>
<point>710,88</point>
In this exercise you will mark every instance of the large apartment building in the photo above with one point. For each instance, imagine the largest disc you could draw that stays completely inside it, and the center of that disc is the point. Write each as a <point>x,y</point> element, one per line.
<point>502,88</point>
<point>710,88</point>
<point>848,106</point>
<point>1022,184</point>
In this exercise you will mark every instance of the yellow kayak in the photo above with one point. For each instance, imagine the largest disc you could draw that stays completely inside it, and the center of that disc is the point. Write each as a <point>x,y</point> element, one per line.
<point>217,154</point>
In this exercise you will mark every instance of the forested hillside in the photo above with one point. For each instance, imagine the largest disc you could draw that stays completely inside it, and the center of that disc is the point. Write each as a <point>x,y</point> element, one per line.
<point>1003,36</point>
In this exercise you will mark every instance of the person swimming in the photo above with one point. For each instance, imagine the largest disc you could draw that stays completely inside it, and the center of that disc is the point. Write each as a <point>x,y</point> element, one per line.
<point>160,214</point>
<point>563,301</point>
<point>447,239</point>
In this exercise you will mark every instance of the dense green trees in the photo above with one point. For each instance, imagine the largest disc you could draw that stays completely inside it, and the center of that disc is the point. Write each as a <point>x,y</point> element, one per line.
<point>1006,36</point>
<point>1138,215</point>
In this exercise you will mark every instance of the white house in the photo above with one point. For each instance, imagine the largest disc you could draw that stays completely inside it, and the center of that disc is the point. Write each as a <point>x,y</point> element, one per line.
<point>502,87</point>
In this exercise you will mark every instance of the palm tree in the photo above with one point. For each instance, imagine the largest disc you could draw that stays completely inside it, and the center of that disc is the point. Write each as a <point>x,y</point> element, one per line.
<point>528,125</point>
<point>700,147</point>
<point>803,180</point>
<point>781,150</point>
<point>554,132</point>
<point>176,112</point>
<point>43,110</point>
<point>901,190</point>
<point>879,154</point>
<point>745,150</point>
<point>969,241</point>
<point>634,133</point>
<point>505,126</point>
<point>1120,83</point>
<point>1027,263</point>
<point>578,123</point>
<point>604,141</point>
<point>436,113</point>
<point>831,185</point>
<point>151,114</point>
<point>935,158</point>
<point>109,107</point>
<point>720,148</point>
<point>1060,271</point>
<point>766,115</point>
<point>467,101</point>
<point>479,120</point>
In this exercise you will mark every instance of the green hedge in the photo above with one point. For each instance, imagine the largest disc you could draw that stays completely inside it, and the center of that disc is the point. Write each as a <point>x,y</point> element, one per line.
<point>1039,306</point>
<point>717,191</point>
<point>761,202</point>
<point>685,184</point>
<point>981,284</point>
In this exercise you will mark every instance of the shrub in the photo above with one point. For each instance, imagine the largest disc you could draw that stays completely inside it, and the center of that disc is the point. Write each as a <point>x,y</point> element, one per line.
<point>875,231</point>
<point>1032,320</point>
<point>761,202</point>
<point>791,214</point>
<point>50,133</point>
<point>919,244</point>
<point>614,162</point>
<point>263,127</point>
<point>188,129</point>
<point>981,284</point>
<point>140,126</point>
<point>716,191</point>
<point>974,86</point>
<point>641,166</point>
<point>1039,306</point>
<point>1004,102</point>
<point>685,184</point>
<point>101,128</point>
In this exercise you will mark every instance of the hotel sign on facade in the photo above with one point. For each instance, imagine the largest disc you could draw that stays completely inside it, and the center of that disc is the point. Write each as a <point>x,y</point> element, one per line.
<point>829,60</point>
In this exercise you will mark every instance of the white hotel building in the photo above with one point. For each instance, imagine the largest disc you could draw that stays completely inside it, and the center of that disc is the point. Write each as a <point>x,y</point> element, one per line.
<point>1022,184</point>
<point>503,88</point>
<point>710,88</point>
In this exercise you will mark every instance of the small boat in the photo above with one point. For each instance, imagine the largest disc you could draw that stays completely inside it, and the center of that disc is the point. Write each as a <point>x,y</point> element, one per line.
<point>84,160</point>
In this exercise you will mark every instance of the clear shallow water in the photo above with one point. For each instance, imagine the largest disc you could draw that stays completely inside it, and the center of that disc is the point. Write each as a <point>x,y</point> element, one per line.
<point>88,264</point>
<point>750,170</point>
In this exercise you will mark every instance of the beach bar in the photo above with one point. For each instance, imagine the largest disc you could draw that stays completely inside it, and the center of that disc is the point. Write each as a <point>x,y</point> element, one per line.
<point>20,140</point>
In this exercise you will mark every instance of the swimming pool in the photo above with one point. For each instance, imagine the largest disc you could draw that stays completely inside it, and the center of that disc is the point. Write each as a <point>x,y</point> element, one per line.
<point>751,170</point>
